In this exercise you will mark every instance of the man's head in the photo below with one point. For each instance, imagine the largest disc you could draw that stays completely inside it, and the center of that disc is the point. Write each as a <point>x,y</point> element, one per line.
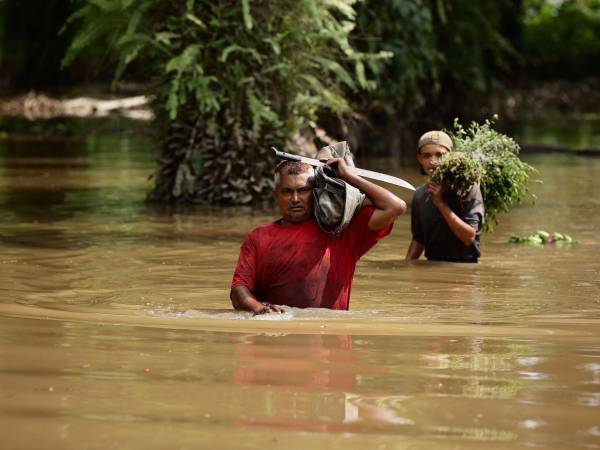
<point>431,147</point>
<point>293,191</point>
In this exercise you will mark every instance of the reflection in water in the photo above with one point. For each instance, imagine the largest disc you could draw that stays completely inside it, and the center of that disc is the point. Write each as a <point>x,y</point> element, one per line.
<point>576,134</point>
<point>292,365</point>
<point>464,389</point>
<point>38,181</point>
<point>115,323</point>
<point>39,177</point>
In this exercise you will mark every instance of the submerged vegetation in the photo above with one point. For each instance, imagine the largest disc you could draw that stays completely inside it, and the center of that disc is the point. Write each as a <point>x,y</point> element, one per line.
<point>542,237</point>
<point>482,154</point>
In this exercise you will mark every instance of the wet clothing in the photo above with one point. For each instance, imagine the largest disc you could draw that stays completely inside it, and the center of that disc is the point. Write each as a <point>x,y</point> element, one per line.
<point>301,265</point>
<point>430,229</point>
<point>336,202</point>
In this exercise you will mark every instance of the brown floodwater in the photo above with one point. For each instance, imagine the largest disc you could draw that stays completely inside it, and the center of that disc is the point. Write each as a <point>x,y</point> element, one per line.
<point>116,329</point>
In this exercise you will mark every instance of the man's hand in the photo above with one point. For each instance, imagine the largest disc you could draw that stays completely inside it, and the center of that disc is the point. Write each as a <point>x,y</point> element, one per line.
<point>462,230</point>
<point>436,191</point>
<point>269,308</point>
<point>387,206</point>
<point>243,299</point>
<point>342,169</point>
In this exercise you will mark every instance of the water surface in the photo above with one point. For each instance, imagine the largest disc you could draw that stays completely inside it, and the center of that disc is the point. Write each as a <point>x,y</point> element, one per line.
<point>579,133</point>
<point>116,329</point>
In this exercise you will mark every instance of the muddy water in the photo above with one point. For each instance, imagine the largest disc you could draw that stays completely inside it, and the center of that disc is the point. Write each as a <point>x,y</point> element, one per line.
<point>576,133</point>
<point>116,329</point>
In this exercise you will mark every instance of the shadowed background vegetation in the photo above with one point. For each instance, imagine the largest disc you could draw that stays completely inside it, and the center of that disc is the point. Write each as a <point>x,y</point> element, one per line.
<point>231,78</point>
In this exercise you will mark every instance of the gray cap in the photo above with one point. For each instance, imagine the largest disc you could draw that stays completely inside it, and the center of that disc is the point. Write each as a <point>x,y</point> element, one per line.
<point>435,137</point>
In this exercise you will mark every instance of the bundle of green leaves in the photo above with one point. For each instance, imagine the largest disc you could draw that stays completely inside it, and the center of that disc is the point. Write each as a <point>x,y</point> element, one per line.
<point>458,172</point>
<point>494,157</point>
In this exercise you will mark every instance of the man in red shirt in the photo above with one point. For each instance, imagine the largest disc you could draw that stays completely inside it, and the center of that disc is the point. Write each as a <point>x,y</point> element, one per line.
<point>292,261</point>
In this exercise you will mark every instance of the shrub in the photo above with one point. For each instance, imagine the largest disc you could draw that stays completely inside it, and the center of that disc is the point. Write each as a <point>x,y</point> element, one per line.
<point>230,78</point>
<point>491,158</point>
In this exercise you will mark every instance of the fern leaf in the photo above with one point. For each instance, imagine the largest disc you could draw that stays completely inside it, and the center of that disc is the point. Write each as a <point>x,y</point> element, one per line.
<point>246,14</point>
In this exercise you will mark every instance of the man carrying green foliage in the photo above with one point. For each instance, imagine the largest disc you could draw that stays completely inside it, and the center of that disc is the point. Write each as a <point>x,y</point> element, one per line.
<point>446,224</point>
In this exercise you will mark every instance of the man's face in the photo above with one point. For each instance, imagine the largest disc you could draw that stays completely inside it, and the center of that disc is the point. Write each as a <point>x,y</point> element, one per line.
<point>429,157</point>
<point>294,197</point>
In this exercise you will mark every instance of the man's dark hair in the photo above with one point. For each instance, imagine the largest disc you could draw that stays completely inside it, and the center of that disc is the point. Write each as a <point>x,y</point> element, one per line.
<point>292,168</point>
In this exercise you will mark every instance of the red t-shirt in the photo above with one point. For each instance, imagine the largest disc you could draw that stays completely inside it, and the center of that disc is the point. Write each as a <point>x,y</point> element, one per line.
<point>300,265</point>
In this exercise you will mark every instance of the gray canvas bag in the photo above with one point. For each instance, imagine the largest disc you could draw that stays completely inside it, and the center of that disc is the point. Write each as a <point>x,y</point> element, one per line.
<point>336,202</point>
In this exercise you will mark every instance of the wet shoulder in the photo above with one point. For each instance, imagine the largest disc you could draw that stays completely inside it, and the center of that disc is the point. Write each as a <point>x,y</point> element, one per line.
<point>266,228</point>
<point>275,228</point>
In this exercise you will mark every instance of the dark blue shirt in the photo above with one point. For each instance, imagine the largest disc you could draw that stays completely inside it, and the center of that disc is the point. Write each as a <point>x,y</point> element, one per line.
<point>430,229</point>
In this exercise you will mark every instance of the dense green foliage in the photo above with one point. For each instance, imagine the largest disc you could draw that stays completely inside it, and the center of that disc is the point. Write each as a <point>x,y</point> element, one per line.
<point>231,79</point>
<point>495,158</point>
<point>457,172</point>
<point>505,176</point>
<point>438,47</point>
<point>30,51</point>
<point>562,39</point>
<point>32,47</point>
<point>403,29</point>
<point>443,54</point>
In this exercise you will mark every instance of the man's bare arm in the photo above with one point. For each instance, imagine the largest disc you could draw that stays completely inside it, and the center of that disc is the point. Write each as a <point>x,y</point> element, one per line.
<point>242,298</point>
<point>414,250</point>
<point>388,207</point>
<point>462,230</point>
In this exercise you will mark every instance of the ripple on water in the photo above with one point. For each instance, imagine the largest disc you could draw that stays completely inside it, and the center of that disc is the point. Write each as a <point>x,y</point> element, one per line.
<point>289,314</point>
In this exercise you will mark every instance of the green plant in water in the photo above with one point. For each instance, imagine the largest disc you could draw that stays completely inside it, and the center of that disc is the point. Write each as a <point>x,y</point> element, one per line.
<point>494,157</point>
<point>542,237</point>
<point>231,79</point>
